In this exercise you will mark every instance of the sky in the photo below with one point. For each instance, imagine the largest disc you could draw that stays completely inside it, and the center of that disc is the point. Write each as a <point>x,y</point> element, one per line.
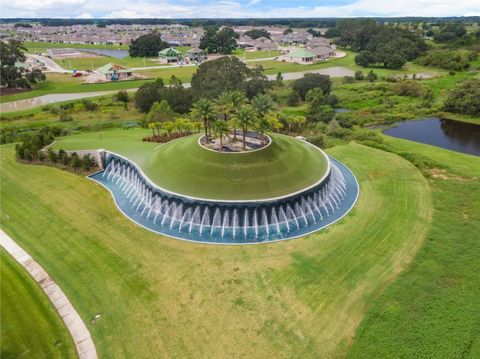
<point>235,8</point>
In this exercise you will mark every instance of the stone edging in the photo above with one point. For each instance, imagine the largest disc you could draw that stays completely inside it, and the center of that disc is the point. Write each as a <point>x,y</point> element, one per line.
<point>76,327</point>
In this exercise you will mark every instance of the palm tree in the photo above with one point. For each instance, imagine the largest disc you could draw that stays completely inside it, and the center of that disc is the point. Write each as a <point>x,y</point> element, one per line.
<point>244,118</point>
<point>224,105</point>
<point>268,123</point>
<point>262,104</point>
<point>237,98</point>
<point>219,129</point>
<point>204,110</point>
<point>151,126</point>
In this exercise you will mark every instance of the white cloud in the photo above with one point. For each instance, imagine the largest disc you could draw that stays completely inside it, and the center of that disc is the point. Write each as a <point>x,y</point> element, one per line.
<point>85,15</point>
<point>233,9</point>
<point>253,2</point>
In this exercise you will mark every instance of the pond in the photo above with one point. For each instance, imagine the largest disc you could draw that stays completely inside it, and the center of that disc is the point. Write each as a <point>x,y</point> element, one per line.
<point>452,135</point>
<point>118,54</point>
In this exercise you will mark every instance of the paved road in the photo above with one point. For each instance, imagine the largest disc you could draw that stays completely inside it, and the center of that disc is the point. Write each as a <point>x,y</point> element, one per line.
<point>75,325</point>
<point>53,98</point>
<point>51,65</point>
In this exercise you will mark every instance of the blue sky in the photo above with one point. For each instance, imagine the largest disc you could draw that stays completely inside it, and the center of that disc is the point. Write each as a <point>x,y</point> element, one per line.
<point>235,8</point>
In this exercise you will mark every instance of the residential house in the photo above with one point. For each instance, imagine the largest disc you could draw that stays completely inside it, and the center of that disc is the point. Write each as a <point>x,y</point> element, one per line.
<point>169,55</point>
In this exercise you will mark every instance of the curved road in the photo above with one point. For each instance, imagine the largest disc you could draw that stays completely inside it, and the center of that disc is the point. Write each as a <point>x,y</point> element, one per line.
<point>335,71</point>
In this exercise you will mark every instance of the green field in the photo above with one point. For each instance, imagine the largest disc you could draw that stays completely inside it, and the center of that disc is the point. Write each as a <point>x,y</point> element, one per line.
<point>298,298</point>
<point>183,166</point>
<point>432,310</point>
<point>30,325</point>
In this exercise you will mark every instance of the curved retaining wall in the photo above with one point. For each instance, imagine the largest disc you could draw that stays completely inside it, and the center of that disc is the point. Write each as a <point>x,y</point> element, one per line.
<point>232,222</point>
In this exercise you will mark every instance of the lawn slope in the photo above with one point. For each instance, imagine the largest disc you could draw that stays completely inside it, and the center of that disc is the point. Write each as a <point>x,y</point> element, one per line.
<point>30,325</point>
<point>433,309</point>
<point>160,297</point>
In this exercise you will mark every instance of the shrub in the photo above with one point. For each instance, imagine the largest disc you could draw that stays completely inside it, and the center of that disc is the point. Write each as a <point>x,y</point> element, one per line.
<point>89,105</point>
<point>359,75</point>
<point>464,98</point>
<point>65,117</point>
<point>408,88</point>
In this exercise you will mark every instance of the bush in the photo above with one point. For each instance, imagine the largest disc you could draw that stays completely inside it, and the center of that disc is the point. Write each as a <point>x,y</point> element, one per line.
<point>121,96</point>
<point>65,117</point>
<point>408,88</point>
<point>464,98</point>
<point>359,75</point>
<point>89,105</point>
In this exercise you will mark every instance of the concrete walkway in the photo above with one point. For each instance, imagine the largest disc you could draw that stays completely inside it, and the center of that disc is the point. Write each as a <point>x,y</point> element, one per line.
<point>77,328</point>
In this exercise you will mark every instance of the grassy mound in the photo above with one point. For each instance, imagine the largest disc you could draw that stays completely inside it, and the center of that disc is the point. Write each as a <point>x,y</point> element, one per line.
<point>183,166</point>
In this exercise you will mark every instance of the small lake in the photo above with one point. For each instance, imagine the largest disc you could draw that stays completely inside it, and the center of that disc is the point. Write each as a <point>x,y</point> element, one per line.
<point>118,54</point>
<point>452,135</point>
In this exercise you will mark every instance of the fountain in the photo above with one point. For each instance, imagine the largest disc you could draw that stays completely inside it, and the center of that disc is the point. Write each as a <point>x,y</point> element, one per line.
<point>228,222</point>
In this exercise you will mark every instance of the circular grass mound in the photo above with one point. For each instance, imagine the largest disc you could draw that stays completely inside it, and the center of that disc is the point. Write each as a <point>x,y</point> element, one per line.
<point>284,167</point>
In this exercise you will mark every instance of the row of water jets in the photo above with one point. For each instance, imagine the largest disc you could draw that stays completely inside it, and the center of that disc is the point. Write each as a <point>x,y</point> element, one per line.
<point>269,220</point>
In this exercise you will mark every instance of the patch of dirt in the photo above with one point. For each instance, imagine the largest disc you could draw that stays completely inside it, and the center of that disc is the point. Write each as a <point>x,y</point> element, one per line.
<point>5,91</point>
<point>439,173</point>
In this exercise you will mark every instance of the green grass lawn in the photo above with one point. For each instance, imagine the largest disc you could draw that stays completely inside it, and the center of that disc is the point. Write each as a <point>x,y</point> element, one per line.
<point>94,62</point>
<point>36,46</point>
<point>432,309</point>
<point>30,325</point>
<point>182,166</point>
<point>158,296</point>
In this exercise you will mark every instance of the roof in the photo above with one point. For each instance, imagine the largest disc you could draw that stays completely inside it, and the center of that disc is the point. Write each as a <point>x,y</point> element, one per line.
<point>195,50</point>
<point>109,68</point>
<point>301,54</point>
<point>322,50</point>
<point>168,52</point>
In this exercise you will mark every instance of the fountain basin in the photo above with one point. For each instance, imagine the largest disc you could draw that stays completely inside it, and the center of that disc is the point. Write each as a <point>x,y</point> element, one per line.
<point>232,221</point>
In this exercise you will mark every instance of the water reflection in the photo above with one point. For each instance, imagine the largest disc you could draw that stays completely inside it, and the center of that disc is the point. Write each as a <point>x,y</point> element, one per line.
<point>452,135</point>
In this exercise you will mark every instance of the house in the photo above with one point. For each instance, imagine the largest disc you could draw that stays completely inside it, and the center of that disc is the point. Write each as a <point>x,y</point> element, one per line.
<point>322,52</point>
<point>264,46</point>
<point>245,41</point>
<point>195,55</point>
<point>302,56</point>
<point>113,72</point>
<point>169,55</point>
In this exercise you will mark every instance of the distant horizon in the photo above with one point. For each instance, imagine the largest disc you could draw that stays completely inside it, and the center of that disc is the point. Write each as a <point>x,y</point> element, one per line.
<point>236,9</point>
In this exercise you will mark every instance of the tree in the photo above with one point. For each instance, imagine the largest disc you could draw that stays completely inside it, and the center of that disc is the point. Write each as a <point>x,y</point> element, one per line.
<point>147,45</point>
<point>288,31</point>
<point>152,127</point>
<point>365,59</point>
<point>13,75</point>
<point>219,41</point>
<point>262,104</point>
<point>279,79</point>
<point>257,33</point>
<point>245,118</point>
<point>310,81</point>
<point>204,110</point>
<point>225,74</point>
<point>372,76</point>
<point>318,108</point>
<point>268,123</point>
<point>147,94</point>
<point>464,98</point>
<point>160,112</point>
<point>226,41</point>
<point>219,129</point>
